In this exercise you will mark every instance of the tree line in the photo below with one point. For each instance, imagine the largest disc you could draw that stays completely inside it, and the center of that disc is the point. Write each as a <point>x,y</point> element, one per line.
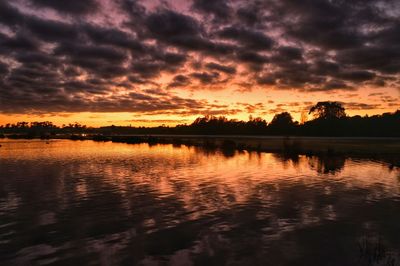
<point>329,119</point>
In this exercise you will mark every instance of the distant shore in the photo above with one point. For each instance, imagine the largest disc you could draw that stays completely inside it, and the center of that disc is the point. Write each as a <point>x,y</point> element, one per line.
<point>283,144</point>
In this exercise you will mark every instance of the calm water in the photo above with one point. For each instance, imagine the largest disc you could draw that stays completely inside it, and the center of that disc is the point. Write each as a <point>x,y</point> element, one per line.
<point>87,203</point>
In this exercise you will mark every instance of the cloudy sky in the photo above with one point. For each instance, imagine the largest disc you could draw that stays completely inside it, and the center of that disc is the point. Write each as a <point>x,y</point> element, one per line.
<point>151,62</point>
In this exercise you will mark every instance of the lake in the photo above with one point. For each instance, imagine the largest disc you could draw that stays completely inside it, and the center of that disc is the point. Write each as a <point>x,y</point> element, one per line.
<point>92,203</point>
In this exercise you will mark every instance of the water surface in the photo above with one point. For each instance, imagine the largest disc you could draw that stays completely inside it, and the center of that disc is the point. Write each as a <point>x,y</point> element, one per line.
<point>88,203</point>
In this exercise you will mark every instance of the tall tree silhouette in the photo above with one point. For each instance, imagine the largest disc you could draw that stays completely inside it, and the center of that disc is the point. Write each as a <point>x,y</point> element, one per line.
<point>282,119</point>
<point>282,123</point>
<point>331,120</point>
<point>328,110</point>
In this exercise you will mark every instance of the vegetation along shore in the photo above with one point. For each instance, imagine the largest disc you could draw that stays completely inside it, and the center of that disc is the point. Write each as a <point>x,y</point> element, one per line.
<point>330,132</point>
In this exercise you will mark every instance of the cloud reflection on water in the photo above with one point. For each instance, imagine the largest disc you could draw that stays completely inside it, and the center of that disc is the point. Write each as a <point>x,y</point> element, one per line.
<point>114,203</point>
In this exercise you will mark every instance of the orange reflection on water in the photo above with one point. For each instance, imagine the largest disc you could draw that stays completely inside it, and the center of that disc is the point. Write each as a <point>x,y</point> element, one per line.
<point>121,197</point>
<point>203,180</point>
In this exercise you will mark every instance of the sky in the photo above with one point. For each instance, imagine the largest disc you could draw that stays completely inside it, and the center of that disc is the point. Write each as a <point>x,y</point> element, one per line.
<point>154,62</point>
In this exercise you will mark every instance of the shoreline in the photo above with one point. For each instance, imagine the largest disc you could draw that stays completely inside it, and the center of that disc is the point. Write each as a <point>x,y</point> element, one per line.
<point>282,144</point>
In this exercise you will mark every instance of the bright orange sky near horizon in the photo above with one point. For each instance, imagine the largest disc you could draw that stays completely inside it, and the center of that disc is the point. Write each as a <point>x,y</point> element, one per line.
<point>127,118</point>
<point>150,62</point>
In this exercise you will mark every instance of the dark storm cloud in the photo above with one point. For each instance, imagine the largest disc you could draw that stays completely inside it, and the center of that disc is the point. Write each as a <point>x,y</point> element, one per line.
<point>335,85</point>
<point>72,58</point>
<point>102,35</point>
<point>44,29</point>
<point>205,77</point>
<point>345,27</point>
<point>255,40</point>
<point>147,69</point>
<point>252,57</point>
<point>251,13</point>
<point>173,27</point>
<point>75,51</point>
<point>131,103</point>
<point>50,30</point>
<point>87,86</point>
<point>220,9</point>
<point>179,81</point>
<point>221,68</point>
<point>3,70</point>
<point>357,76</point>
<point>323,23</point>
<point>385,59</point>
<point>266,80</point>
<point>172,59</point>
<point>159,62</point>
<point>288,53</point>
<point>18,43</point>
<point>183,31</point>
<point>135,10</point>
<point>110,71</point>
<point>9,15</point>
<point>104,61</point>
<point>136,80</point>
<point>325,68</point>
<point>69,7</point>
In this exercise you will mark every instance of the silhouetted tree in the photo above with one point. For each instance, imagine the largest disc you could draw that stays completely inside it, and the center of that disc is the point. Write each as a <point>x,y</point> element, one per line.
<point>221,125</point>
<point>328,110</point>
<point>282,124</point>
<point>282,119</point>
<point>384,125</point>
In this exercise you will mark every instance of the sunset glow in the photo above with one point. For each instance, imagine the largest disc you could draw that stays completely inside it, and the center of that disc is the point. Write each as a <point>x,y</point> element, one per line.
<point>150,63</point>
